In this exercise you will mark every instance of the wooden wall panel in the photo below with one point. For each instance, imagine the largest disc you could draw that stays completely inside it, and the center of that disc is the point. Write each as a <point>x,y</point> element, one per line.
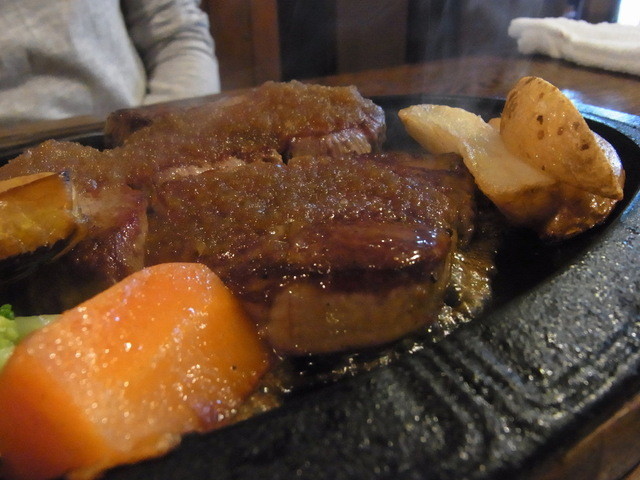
<point>370,33</point>
<point>247,41</point>
<point>259,40</point>
<point>266,40</point>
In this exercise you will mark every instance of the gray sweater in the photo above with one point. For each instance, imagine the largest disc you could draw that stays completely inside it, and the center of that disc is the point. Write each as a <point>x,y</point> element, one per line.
<point>61,58</point>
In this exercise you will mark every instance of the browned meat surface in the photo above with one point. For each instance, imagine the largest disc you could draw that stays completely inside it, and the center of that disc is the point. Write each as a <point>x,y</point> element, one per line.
<point>326,253</point>
<point>283,217</point>
<point>88,168</point>
<point>115,213</point>
<point>116,237</point>
<point>273,122</point>
<point>328,250</point>
<point>269,123</point>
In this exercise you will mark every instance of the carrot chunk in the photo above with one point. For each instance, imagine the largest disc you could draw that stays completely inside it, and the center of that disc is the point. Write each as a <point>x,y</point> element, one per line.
<point>122,376</point>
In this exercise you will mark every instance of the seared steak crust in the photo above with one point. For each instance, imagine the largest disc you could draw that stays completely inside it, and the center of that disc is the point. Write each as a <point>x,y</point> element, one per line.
<point>362,242</point>
<point>273,121</point>
<point>264,124</point>
<point>329,243</point>
<point>313,214</point>
<point>269,123</point>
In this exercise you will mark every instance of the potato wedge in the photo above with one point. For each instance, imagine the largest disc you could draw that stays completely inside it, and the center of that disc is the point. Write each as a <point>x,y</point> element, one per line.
<point>495,123</point>
<point>38,219</point>
<point>498,173</point>
<point>573,211</point>
<point>543,127</point>
<point>525,195</point>
<point>36,211</point>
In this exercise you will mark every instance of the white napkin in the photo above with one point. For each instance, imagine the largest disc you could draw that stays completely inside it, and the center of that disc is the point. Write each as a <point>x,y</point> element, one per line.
<point>609,46</point>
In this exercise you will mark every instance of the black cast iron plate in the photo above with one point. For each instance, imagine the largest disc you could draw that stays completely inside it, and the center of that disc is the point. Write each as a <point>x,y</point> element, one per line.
<point>556,351</point>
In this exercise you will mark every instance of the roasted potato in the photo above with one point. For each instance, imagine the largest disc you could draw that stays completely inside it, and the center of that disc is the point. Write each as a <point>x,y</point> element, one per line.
<point>543,127</point>
<point>517,188</point>
<point>38,221</point>
<point>516,179</point>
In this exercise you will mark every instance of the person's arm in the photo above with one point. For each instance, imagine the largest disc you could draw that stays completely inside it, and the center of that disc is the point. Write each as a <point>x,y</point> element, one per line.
<point>173,40</point>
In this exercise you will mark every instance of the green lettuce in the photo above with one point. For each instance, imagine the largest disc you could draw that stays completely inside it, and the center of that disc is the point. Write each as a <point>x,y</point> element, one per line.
<point>8,333</point>
<point>13,329</point>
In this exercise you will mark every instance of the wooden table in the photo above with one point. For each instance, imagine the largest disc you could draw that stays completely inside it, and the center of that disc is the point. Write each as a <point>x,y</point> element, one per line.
<point>494,77</point>
<point>613,449</point>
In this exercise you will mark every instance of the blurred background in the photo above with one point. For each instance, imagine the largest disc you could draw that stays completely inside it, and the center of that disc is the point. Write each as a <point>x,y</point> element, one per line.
<point>260,40</point>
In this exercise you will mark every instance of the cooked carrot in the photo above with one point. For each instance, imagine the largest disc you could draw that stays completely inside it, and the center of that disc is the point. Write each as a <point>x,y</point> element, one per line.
<point>122,376</point>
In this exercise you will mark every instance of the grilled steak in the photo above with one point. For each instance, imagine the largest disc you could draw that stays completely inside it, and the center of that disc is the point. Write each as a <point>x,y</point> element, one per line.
<point>276,119</point>
<point>329,246</point>
<point>269,123</point>
<point>326,253</point>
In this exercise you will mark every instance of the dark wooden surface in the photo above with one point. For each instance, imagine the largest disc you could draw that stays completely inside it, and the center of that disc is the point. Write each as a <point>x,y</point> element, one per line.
<point>259,40</point>
<point>494,76</point>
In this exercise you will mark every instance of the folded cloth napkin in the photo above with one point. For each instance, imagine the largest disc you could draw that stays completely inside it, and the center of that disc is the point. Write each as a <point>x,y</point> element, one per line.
<point>609,46</point>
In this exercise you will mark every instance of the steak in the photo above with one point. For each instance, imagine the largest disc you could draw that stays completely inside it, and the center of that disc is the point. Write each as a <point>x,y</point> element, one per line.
<point>279,120</point>
<point>326,253</point>
<point>269,123</point>
<point>329,243</point>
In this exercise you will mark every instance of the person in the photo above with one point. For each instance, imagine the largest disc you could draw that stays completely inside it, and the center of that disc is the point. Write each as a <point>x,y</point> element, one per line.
<point>62,58</point>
